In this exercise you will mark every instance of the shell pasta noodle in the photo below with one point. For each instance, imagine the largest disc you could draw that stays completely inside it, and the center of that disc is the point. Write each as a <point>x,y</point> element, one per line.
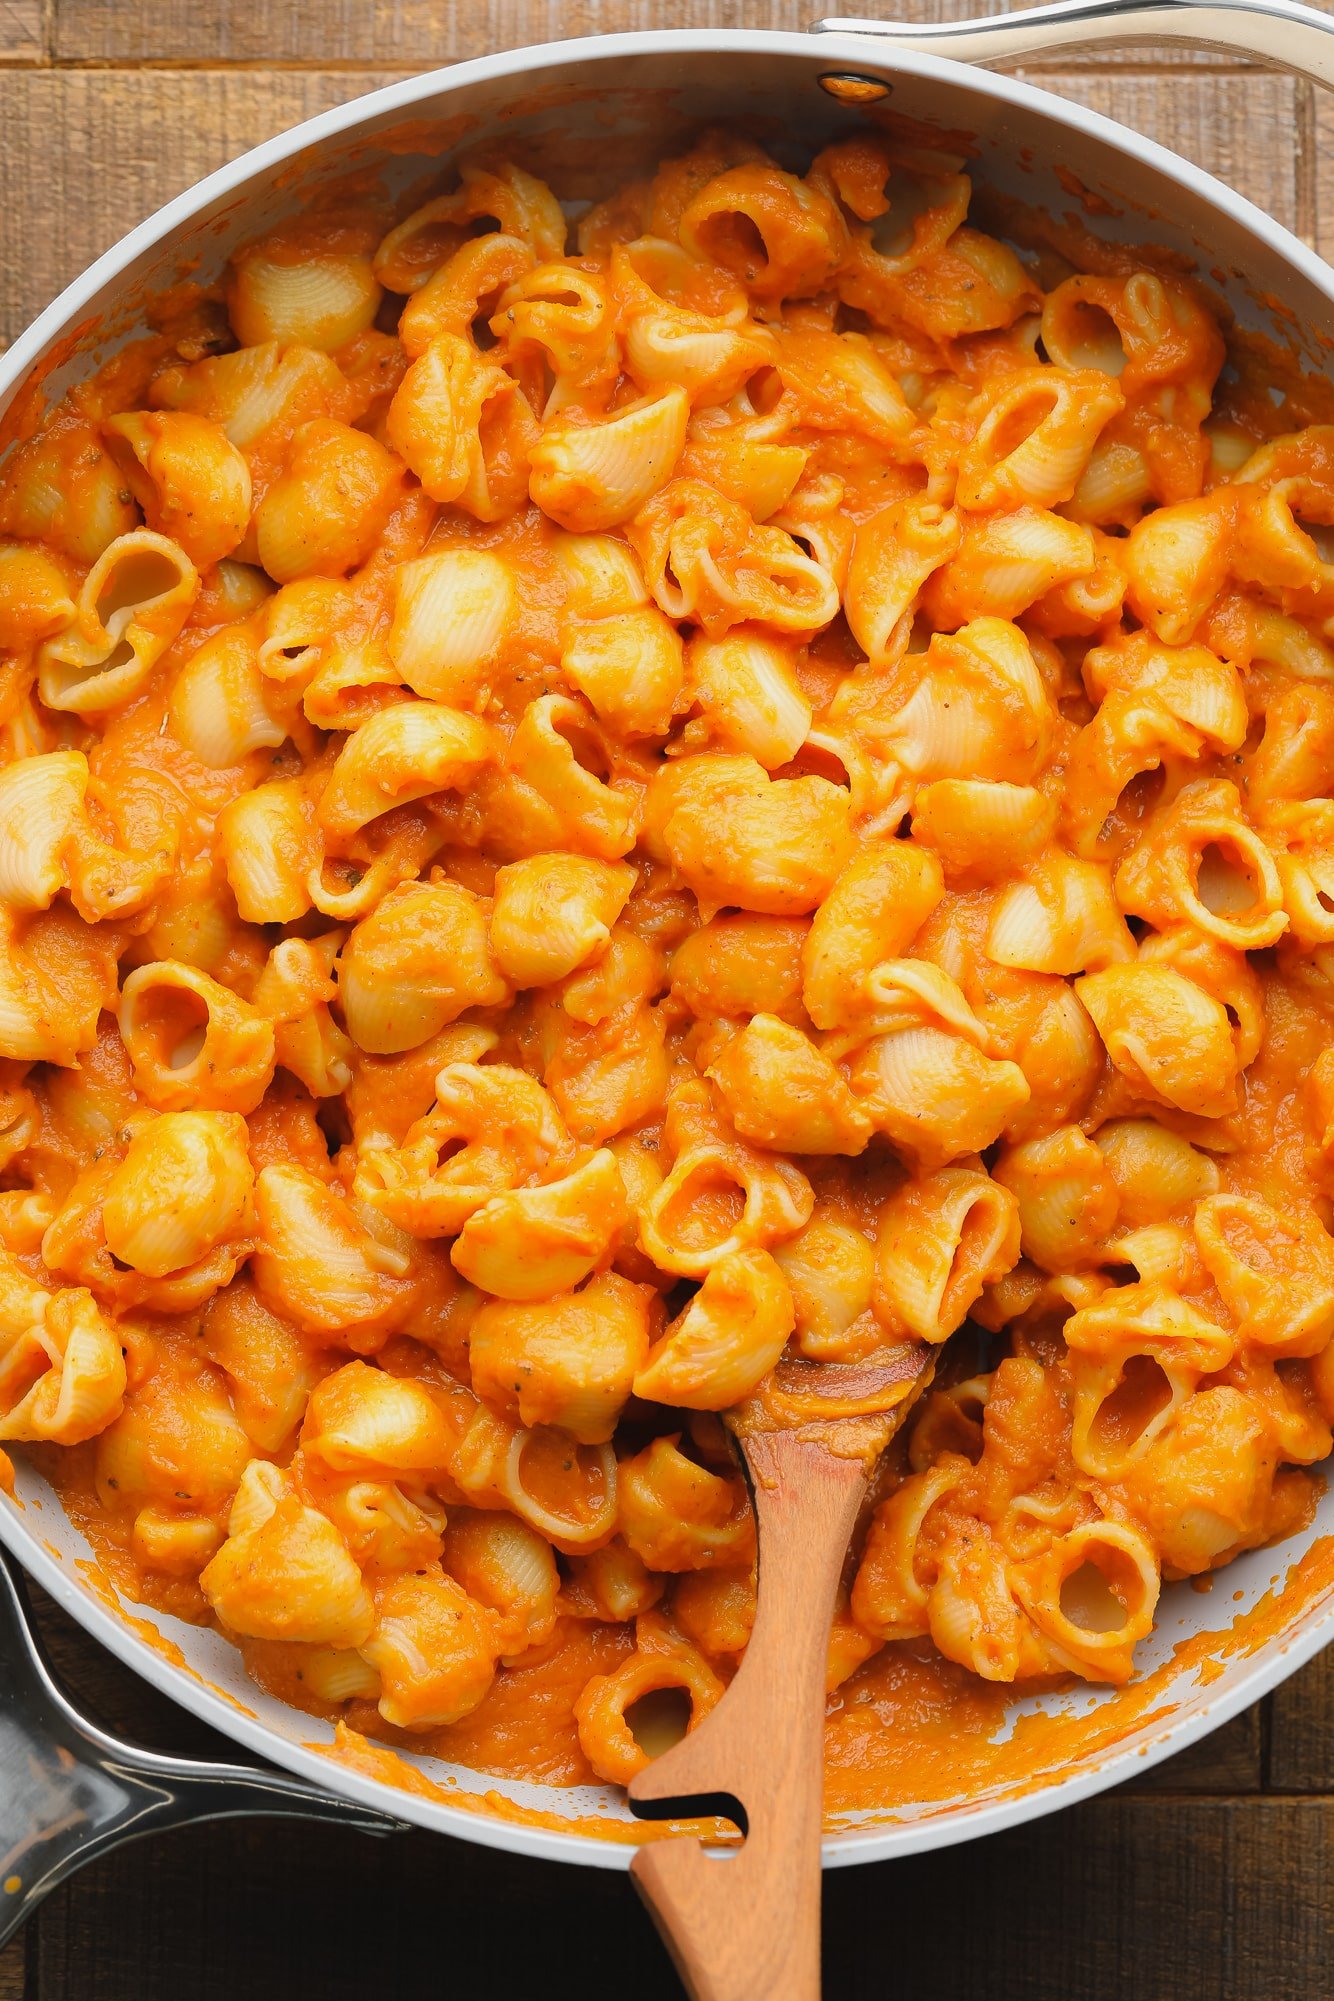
<point>591,800</point>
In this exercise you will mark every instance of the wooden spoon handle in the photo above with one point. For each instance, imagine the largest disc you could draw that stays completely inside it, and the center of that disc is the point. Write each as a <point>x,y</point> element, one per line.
<point>746,1926</point>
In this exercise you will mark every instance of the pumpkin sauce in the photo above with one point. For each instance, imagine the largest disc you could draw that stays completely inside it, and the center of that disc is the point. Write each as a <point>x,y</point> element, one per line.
<point>910,1735</point>
<point>911,1731</point>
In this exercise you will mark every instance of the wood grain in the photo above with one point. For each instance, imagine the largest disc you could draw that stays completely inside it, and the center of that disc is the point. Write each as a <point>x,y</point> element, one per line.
<point>1301,1735</point>
<point>13,1970</point>
<point>1136,1899</point>
<point>414,31</point>
<point>411,31</point>
<point>1317,145</point>
<point>89,153</point>
<point>22,40</point>
<point>748,1928</point>
<point>1231,1760</point>
<point>1143,1899</point>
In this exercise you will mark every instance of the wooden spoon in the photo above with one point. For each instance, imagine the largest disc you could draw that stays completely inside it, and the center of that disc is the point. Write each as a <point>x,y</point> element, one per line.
<point>745,1925</point>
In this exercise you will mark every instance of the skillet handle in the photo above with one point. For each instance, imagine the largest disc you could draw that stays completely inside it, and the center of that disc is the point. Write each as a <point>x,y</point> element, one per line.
<point>1282,33</point>
<point>70,1791</point>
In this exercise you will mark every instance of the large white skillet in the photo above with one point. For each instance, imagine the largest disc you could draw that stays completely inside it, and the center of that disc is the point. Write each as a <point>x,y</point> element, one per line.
<point>590,113</point>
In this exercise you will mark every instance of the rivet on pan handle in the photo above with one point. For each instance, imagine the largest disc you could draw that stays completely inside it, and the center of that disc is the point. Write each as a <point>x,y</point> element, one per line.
<point>1281,33</point>
<point>70,1791</point>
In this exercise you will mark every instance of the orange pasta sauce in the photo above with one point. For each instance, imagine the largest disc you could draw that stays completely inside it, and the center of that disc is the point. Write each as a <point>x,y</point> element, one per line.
<point>573,820</point>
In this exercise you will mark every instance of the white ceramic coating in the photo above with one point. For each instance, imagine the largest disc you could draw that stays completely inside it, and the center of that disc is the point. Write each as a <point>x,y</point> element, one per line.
<point>600,109</point>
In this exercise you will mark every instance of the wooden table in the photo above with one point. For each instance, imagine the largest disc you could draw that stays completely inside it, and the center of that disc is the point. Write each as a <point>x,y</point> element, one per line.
<point>1211,1880</point>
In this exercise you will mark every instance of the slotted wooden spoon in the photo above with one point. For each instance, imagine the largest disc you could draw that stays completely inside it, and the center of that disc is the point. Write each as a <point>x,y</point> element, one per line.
<point>745,1925</point>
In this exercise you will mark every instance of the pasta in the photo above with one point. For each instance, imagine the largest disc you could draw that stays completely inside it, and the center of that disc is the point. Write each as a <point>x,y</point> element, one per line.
<point>580,814</point>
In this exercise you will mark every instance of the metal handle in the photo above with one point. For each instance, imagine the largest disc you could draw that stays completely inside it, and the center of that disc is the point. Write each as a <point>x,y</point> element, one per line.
<point>70,1791</point>
<point>1282,33</point>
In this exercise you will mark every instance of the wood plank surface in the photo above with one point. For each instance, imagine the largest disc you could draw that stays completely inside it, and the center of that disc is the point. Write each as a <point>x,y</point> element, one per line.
<point>1155,1899</point>
<point>412,31</point>
<point>13,1971</point>
<point>22,40</point>
<point>1318,149</point>
<point>1209,1879</point>
<point>1301,1735</point>
<point>416,32</point>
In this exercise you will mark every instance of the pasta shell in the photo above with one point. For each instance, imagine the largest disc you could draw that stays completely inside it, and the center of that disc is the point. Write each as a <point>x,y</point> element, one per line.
<point>34,597</point>
<point>552,913</point>
<point>1156,1251</point>
<point>971,1615</point>
<point>1154,1317</point>
<point>676,1515</point>
<point>319,301</point>
<point>189,478</point>
<point>1157,1172</point>
<point>540,1473</point>
<point>716,1201</point>
<point>183,1186</point>
<point>613,1749</point>
<point>601,575</point>
<point>934,1094</point>
<point>726,1341</point>
<point>939,1242</point>
<point>1062,919</point>
<point>783,1092</point>
<point>269,846</point>
<point>939,734</point>
<point>414,965</point>
<point>746,686</point>
<point>566,1361</point>
<point>890,1591</point>
<point>892,556</point>
<point>262,1486</point>
<point>1035,438</point>
<point>460,290</point>
<point>709,361</point>
<point>219,705</point>
<point>531,1243</point>
<point>192,1041</point>
<point>1166,1035</point>
<point>401,754</point>
<point>57,973</point>
<point>337,1676</point>
<point>434,1649</point>
<point>316,1262</point>
<point>594,476</point>
<point>453,614</point>
<point>132,604</point>
<point>1115,1575</point>
<point>83,1390</point>
<point>907,992</point>
<point>982,826</point>
<point>1113,486</point>
<point>1067,1198</point>
<point>523,205</point>
<point>41,805</point>
<point>362,1418</point>
<point>291,1577</point>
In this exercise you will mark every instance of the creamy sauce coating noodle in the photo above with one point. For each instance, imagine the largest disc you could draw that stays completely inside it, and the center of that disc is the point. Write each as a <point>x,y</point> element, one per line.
<point>583,808</point>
